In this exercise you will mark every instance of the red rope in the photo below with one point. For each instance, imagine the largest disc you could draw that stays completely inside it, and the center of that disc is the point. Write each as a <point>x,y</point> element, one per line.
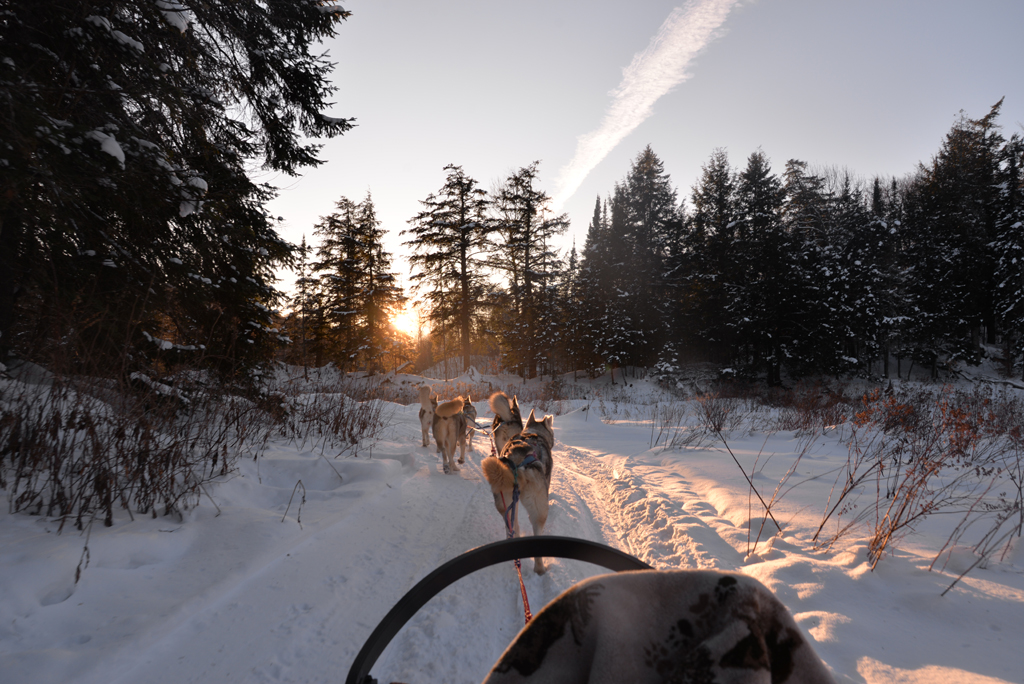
<point>510,526</point>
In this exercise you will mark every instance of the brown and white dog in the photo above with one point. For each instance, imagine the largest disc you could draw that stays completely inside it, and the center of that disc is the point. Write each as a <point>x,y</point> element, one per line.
<point>452,421</point>
<point>508,421</point>
<point>428,402</point>
<point>525,459</point>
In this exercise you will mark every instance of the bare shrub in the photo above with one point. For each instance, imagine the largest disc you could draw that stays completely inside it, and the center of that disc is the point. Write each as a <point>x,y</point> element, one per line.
<point>809,407</point>
<point>68,453</point>
<point>926,454</point>
<point>338,414</point>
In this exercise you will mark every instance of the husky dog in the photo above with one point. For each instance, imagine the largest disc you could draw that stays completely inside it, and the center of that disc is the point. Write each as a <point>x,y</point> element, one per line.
<point>428,403</point>
<point>508,421</point>
<point>451,428</point>
<point>469,411</point>
<point>526,459</point>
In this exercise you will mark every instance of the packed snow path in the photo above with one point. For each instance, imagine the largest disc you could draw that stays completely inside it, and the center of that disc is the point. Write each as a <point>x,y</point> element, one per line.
<point>245,597</point>
<point>304,615</point>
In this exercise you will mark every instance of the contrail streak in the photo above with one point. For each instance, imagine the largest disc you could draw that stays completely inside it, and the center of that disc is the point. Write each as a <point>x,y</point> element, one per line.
<point>651,74</point>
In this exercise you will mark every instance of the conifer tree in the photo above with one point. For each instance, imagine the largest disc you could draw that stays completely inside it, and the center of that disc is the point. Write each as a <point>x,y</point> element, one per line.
<point>951,220</point>
<point>450,241</point>
<point>593,286</point>
<point>359,290</point>
<point>127,213</point>
<point>525,255</point>
<point>1008,248</point>
<point>756,267</point>
<point>305,322</point>
<point>651,217</point>
<point>702,319</point>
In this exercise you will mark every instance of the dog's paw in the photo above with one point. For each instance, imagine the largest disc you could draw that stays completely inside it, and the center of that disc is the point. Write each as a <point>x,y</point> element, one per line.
<point>462,459</point>
<point>539,568</point>
<point>455,467</point>
<point>447,470</point>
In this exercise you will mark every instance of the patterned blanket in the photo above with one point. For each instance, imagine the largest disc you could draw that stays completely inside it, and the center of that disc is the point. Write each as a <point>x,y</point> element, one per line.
<point>653,626</point>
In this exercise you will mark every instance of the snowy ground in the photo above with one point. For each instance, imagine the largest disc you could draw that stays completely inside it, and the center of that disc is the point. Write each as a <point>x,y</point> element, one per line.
<point>244,597</point>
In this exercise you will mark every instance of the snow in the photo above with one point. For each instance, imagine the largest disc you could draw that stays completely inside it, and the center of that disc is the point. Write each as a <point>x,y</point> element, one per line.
<point>108,144</point>
<point>126,40</point>
<point>175,14</point>
<point>271,589</point>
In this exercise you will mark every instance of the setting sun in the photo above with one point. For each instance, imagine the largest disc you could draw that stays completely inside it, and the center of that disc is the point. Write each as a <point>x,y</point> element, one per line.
<point>407,320</point>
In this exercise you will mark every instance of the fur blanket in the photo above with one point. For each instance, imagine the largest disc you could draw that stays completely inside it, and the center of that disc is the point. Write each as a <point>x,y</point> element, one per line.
<point>647,626</point>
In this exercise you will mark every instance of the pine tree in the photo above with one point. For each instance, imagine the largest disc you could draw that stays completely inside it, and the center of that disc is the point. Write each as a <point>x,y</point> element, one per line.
<point>450,240</point>
<point>126,210</point>
<point>593,285</point>
<point>701,321</point>
<point>1008,248</point>
<point>359,290</point>
<point>651,217</point>
<point>304,324</point>
<point>951,209</point>
<point>380,296</point>
<point>756,267</point>
<point>524,254</point>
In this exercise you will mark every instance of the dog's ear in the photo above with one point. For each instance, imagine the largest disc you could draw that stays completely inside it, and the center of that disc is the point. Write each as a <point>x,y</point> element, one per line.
<point>515,407</point>
<point>531,420</point>
<point>549,422</point>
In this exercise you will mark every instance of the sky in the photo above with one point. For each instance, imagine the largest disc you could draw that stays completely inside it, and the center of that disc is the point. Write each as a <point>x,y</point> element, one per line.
<point>582,87</point>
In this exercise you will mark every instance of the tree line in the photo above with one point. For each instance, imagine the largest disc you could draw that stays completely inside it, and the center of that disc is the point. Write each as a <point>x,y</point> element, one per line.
<point>809,271</point>
<point>132,236</point>
<point>804,271</point>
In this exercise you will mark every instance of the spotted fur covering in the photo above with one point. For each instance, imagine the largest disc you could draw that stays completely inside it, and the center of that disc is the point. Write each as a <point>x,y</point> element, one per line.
<point>648,626</point>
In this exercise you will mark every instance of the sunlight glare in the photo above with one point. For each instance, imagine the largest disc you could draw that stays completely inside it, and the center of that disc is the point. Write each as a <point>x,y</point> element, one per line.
<point>406,320</point>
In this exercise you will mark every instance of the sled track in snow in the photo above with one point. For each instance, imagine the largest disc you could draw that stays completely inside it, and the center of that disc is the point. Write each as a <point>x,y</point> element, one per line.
<point>665,533</point>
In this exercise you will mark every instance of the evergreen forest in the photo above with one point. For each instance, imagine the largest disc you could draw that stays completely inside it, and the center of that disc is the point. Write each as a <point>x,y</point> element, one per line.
<point>133,237</point>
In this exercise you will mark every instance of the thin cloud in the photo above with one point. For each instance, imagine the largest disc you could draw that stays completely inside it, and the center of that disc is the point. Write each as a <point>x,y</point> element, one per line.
<point>651,74</point>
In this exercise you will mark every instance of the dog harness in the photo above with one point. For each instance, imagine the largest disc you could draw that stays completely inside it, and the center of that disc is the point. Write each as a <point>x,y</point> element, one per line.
<point>510,511</point>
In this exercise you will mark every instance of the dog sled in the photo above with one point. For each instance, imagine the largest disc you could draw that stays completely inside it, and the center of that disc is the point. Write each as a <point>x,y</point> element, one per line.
<point>637,624</point>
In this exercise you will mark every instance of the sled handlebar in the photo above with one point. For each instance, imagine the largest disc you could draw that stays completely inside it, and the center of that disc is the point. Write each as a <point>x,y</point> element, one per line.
<point>469,562</point>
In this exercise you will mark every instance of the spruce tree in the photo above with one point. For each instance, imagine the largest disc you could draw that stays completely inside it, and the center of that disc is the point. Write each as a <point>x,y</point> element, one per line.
<point>1008,248</point>
<point>952,208</point>
<point>524,254</point>
<point>127,213</point>
<point>651,217</point>
<point>593,283</point>
<point>359,290</point>
<point>708,234</point>
<point>450,241</point>
<point>756,268</point>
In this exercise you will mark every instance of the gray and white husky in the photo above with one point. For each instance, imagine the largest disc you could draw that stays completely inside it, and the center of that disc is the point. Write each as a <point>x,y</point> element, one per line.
<point>428,402</point>
<point>508,421</point>
<point>525,459</point>
<point>452,427</point>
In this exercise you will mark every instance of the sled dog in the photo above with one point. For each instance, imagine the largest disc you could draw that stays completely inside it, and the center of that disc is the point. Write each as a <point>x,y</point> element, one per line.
<point>428,403</point>
<point>508,421</point>
<point>526,459</point>
<point>451,424</point>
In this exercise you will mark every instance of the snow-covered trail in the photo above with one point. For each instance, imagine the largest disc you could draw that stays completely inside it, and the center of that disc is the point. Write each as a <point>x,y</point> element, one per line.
<point>304,614</point>
<point>244,597</point>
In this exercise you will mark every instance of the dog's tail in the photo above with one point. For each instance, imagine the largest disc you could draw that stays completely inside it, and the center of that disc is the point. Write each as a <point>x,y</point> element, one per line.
<point>499,404</point>
<point>498,476</point>
<point>450,408</point>
<point>426,394</point>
